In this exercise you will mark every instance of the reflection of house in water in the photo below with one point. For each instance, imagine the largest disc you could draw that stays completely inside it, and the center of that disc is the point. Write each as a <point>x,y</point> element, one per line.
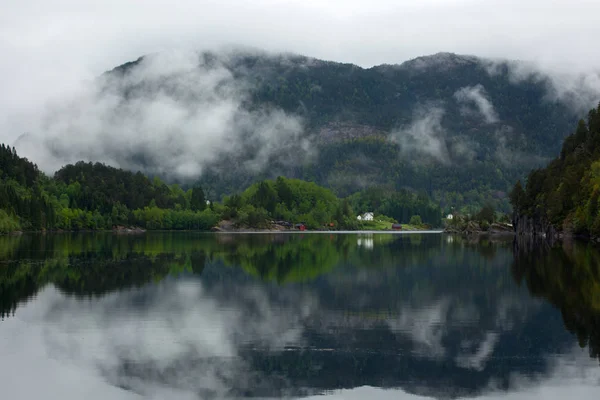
<point>365,240</point>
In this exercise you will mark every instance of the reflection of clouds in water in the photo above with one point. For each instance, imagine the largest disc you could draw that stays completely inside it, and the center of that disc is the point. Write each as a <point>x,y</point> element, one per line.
<point>573,376</point>
<point>428,325</point>
<point>484,350</point>
<point>424,326</point>
<point>29,371</point>
<point>175,338</point>
<point>179,337</point>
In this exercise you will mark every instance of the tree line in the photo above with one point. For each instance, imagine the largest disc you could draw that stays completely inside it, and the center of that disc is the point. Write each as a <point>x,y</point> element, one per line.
<point>566,193</point>
<point>94,196</point>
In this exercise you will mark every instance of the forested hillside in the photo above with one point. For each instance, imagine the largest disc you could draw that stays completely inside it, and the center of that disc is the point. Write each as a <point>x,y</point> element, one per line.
<point>459,128</point>
<point>87,196</point>
<point>564,196</point>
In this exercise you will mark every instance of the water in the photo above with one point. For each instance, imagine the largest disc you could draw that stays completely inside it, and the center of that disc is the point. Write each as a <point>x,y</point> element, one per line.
<point>332,316</point>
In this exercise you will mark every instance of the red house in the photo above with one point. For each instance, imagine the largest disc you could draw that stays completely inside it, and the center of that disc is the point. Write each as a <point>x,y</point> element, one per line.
<point>397,227</point>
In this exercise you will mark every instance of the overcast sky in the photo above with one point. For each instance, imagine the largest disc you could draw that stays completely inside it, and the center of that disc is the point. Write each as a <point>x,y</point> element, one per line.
<point>48,47</point>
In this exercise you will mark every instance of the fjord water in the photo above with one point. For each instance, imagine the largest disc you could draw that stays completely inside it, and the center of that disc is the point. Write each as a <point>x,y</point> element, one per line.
<point>361,315</point>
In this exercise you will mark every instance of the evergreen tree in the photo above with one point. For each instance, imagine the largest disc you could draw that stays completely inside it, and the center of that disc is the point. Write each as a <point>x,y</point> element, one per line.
<point>198,200</point>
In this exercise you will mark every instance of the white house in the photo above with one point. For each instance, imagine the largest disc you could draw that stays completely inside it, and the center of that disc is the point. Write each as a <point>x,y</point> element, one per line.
<point>368,216</point>
<point>450,216</point>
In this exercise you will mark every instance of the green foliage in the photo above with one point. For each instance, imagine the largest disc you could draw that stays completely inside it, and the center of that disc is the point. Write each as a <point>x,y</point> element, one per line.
<point>290,200</point>
<point>399,205</point>
<point>8,223</point>
<point>99,187</point>
<point>88,196</point>
<point>486,215</point>
<point>566,193</point>
<point>13,167</point>
<point>251,216</point>
<point>198,199</point>
<point>416,220</point>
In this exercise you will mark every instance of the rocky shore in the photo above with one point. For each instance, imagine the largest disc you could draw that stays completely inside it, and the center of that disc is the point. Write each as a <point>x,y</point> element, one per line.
<point>231,226</point>
<point>128,230</point>
<point>530,226</point>
<point>474,228</point>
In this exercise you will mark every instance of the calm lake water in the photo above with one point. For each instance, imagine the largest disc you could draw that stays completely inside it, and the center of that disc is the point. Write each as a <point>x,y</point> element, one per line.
<point>375,316</point>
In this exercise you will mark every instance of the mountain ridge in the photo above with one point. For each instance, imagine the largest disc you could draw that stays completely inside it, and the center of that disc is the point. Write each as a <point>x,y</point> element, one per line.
<point>459,127</point>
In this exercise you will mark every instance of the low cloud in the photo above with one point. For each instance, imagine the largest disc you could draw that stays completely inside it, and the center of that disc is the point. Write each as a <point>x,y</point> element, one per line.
<point>477,96</point>
<point>172,114</point>
<point>463,148</point>
<point>509,149</point>
<point>424,135</point>
<point>579,89</point>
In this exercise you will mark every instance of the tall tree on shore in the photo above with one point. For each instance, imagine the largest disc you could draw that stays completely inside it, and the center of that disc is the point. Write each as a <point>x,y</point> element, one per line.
<point>198,200</point>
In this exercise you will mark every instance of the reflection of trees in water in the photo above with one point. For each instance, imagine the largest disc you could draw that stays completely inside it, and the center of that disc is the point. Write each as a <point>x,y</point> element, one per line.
<point>86,265</point>
<point>15,286</point>
<point>568,276</point>
<point>93,264</point>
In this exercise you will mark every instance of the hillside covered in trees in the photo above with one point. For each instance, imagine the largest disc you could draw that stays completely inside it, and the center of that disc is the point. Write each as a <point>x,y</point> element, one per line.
<point>460,129</point>
<point>564,196</point>
<point>86,196</point>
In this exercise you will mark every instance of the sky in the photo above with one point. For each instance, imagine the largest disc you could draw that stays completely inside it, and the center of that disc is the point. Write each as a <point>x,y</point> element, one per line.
<point>50,48</point>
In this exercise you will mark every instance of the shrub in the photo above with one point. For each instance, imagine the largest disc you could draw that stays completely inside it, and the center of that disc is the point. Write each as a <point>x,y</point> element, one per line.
<point>416,220</point>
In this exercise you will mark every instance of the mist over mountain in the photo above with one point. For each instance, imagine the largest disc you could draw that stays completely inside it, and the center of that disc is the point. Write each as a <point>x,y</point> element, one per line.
<point>460,128</point>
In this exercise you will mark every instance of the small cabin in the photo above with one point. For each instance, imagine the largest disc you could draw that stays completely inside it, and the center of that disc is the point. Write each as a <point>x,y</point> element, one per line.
<point>300,227</point>
<point>397,227</point>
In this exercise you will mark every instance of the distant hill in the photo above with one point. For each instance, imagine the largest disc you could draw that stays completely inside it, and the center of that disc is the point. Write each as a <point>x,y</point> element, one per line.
<point>460,128</point>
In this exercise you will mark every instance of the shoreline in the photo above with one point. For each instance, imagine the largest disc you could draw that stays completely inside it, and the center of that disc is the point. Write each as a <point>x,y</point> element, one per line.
<point>239,231</point>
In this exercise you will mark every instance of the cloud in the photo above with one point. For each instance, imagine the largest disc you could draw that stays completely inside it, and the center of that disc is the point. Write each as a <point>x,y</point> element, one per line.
<point>509,149</point>
<point>179,114</point>
<point>50,52</point>
<point>477,95</point>
<point>463,147</point>
<point>579,89</point>
<point>424,135</point>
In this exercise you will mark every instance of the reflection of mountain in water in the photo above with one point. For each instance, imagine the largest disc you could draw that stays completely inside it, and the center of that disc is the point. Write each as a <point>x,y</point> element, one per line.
<point>275,315</point>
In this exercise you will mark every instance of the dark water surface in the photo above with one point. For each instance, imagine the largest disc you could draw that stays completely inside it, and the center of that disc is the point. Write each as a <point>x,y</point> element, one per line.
<point>375,316</point>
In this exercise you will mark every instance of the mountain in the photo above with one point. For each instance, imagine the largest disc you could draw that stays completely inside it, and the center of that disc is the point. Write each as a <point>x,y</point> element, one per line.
<point>460,129</point>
